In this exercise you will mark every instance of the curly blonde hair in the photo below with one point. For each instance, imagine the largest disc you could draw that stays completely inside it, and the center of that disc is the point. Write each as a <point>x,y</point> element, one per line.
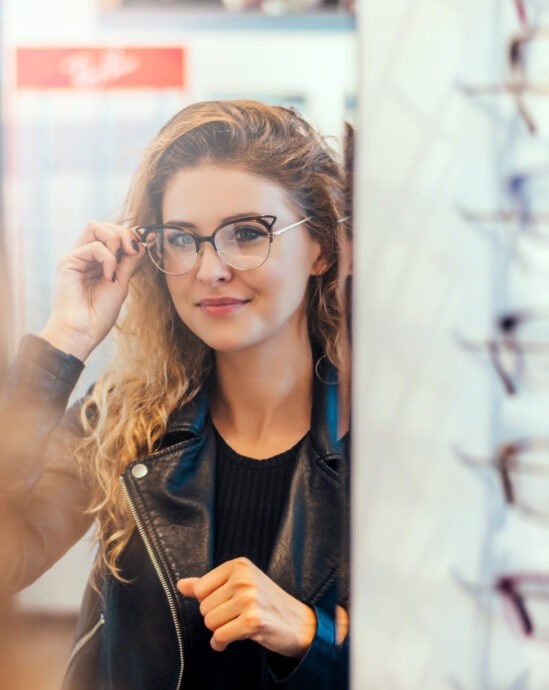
<point>160,364</point>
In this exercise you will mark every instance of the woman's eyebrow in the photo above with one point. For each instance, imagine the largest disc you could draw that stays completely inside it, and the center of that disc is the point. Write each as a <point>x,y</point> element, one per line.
<point>228,219</point>
<point>172,221</point>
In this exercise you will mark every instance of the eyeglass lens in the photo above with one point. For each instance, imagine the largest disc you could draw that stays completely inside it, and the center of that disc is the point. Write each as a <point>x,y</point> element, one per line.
<point>242,244</point>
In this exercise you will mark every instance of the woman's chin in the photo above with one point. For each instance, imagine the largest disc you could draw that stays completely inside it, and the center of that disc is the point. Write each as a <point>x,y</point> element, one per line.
<point>228,344</point>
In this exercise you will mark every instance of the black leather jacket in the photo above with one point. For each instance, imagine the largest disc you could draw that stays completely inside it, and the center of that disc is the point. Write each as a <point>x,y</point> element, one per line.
<point>137,635</point>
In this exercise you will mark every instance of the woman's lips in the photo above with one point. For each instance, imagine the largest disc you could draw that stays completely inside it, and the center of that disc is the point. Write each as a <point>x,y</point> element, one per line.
<point>221,306</point>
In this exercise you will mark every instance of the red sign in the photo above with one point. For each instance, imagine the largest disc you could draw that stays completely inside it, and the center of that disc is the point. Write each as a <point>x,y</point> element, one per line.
<point>101,68</point>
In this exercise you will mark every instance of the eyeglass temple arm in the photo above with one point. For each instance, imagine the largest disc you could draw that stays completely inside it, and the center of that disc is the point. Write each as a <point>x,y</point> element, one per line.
<point>303,220</point>
<point>141,232</point>
<point>471,460</point>
<point>491,348</point>
<point>289,227</point>
<point>497,462</point>
<point>504,377</point>
<point>505,585</point>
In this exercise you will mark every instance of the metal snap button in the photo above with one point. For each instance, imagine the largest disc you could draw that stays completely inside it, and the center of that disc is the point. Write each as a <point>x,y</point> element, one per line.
<point>140,470</point>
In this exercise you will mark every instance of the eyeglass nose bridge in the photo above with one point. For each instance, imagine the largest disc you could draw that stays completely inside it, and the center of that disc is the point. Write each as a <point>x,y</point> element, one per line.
<point>209,239</point>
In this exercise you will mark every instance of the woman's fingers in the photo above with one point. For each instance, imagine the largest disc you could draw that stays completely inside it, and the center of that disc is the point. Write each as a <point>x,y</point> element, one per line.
<point>88,257</point>
<point>186,586</point>
<point>118,254</point>
<point>238,570</point>
<point>222,614</point>
<point>230,632</point>
<point>119,240</point>
<point>342,624</point>
<point>91,285</point>
<point>239,601</point>
<point>217,597</point>
<point>128,264</point>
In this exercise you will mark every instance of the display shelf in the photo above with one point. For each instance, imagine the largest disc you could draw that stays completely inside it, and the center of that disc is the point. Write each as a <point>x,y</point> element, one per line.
<point>216,18</point>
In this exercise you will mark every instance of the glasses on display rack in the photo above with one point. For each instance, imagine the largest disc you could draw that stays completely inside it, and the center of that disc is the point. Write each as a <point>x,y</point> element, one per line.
<point>526,600</point>
<point>511,223</point>
<point>520,350</point>
<point>524,190</point>
<point>529,12</point>
<point>520,7</point>
<point>529,46</point>
<point>243,243</point>
<point>523,470</point>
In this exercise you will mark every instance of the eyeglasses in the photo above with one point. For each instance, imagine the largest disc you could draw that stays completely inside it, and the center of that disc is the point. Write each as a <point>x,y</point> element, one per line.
<point>527,598</point>
<point>524,189</point>
<point>521,12</point>
<point>520,353</point>
<point>512,227</point>
<point>523,469</point>
<point>519,83</point>
<point>244,243</point>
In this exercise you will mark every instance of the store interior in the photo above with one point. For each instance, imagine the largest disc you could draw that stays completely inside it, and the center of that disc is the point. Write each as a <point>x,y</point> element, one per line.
<point>450,273</point>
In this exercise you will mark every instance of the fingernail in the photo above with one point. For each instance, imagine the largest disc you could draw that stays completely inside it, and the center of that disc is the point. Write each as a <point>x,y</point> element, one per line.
<point>135,245</point>
<point>113,276</point>
<point>119,255</point>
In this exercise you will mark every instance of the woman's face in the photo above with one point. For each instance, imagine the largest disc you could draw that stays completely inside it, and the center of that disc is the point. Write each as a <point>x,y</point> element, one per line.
<point>226,308</point>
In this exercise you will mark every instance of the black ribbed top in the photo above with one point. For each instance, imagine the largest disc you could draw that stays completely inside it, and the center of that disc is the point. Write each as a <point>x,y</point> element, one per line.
<point>250,496</point>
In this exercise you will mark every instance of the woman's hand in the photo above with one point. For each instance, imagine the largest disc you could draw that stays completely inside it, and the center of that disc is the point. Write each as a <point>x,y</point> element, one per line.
<point>238,601</point>
<point>91,285</point>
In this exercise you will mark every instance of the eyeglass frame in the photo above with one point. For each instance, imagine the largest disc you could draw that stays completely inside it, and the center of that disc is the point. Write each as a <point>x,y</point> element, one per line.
<point>504,461</point>
<point>518,83</point>
<point>507,585</point>
<point>518,226</point>
<point>521,214</point>
<point>144,230</point>
<point>506,325</point>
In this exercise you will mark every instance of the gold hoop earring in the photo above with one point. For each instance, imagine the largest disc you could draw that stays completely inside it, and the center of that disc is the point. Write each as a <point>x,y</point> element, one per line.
<point>319,377</point>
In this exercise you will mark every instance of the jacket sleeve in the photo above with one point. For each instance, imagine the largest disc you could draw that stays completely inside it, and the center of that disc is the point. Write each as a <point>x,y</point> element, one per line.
<point>325,666</point>
<point>41,494</point>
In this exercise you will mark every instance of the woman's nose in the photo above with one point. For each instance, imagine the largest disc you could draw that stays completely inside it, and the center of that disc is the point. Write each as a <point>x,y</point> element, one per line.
<point>212,268</point>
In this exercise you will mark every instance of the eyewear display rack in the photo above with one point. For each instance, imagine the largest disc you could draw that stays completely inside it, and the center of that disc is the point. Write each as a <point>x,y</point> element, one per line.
<point>445,295</point>
<point>512,95</point>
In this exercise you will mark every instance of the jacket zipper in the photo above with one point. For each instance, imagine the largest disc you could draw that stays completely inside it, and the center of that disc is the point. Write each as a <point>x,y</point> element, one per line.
<point>161,577</point>
<point>83,641</point>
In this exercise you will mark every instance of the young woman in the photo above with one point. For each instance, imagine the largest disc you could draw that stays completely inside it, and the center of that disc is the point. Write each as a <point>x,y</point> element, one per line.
<point>210,452</point>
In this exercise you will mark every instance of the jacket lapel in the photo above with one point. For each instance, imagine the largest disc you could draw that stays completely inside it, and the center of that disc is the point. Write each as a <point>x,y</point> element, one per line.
<point>308,549</point>
<point>176,495</point>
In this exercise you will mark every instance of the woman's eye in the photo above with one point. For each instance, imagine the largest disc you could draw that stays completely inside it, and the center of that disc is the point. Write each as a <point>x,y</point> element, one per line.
<point>249,233</point>
<point>180,239</point>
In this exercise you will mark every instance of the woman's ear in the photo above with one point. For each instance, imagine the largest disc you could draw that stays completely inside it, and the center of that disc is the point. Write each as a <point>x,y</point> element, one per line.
<point>320,264</point>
